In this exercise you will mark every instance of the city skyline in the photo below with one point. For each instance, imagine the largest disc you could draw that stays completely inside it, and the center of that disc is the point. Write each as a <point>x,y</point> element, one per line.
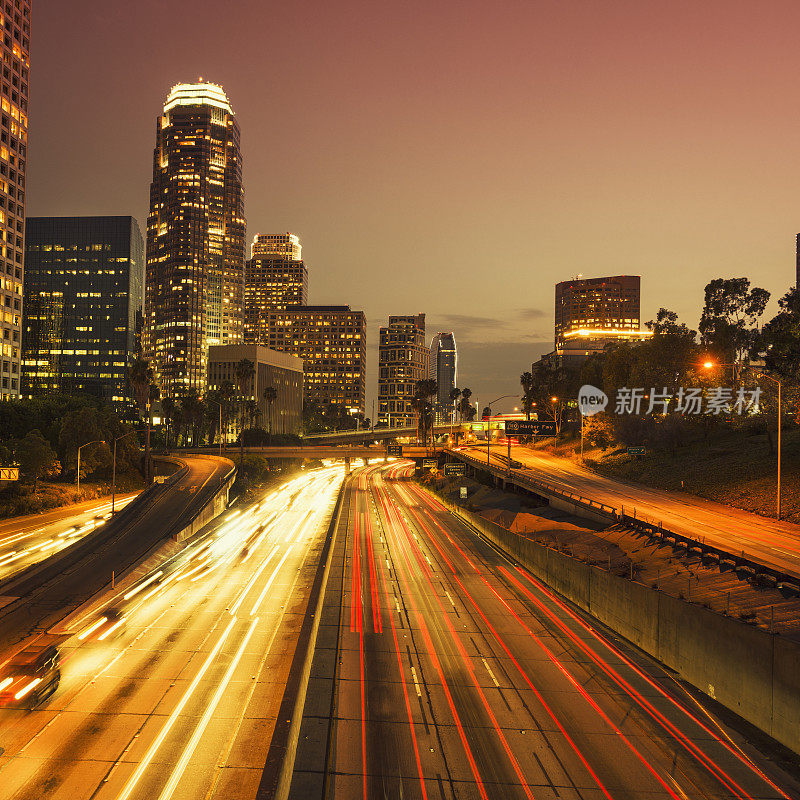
<point>662,182</point>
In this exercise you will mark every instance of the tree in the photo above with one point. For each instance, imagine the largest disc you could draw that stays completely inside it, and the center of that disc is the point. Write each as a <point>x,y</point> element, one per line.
<point>193,411</point>
<point>245,370</point>
<point>466,411</point>
<point>528,402</point>
<point>140,376</point>
<point>270,396</point>
<point>77,428</point>
<point>424,391</point>
<point>35,457</point>
<point>168,409</point>
<point>455,393</point>
<point>730,315</point>
<point>554,384</point>
<point>779,342</point>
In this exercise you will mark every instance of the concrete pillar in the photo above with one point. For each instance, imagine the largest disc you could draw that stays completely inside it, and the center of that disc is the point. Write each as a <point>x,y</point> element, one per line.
<point>347,465</point>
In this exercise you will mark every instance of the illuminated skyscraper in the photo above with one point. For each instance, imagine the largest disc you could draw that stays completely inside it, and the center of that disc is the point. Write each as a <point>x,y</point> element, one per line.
<point>15,21</point>
<point>275,278</point>
<point>194,294</point>
<point>443,369</point>
<point>403,359</point>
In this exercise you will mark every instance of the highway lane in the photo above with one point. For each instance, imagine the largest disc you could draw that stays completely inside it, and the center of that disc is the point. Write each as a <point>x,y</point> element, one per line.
<point>31,538</point>
<point>458,674</point>
<point>769,541</point>
<point>37,597</point>
<point>183,703</point>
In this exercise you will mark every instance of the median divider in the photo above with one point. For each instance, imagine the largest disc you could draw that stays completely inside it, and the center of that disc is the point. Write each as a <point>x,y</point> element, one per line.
<point>753,672</point>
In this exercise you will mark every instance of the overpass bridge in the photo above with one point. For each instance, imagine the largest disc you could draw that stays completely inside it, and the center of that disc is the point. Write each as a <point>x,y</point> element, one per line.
<point>376,434</point>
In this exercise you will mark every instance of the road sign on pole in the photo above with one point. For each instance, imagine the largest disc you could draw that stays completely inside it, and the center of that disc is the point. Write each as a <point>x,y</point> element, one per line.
<point>455,469</point>
<point>524,427</point>
<point>9,473</point>
<point>430,463</point>
<point>395,450</point>
<point>636,451</point>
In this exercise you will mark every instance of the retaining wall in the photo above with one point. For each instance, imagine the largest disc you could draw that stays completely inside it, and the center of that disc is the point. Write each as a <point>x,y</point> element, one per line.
<point>749,670</point>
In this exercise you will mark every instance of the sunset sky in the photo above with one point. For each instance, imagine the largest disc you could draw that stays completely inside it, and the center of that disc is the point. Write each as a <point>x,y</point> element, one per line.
<point>453,158</point>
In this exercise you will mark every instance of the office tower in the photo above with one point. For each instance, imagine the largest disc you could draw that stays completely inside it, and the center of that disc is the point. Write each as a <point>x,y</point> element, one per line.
<point>443,366</point>
<point>84,288</point>
<point>195,237</point>
<point>15,22</point>
<point>332,341</point>
<point>594,312</point>
<point>274,279</point>
<point>403,359</point>
<point>282,372</point>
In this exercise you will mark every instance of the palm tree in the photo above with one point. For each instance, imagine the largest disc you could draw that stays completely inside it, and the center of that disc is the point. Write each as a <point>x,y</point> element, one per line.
<point>455,393</point>
<point>245,370</point>
<point>140,376</point>
<point>168,408</point>
<point>270,395</point>
<point>424,390</point>
<point>526,379</point>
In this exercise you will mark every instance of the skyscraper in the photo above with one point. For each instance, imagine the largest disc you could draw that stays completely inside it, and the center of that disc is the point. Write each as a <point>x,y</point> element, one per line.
<point>275,278</point>
<point>15,21</point>
<point>84,287</point>
<point>332,341</point>
<point>443,369</point>
<point>403,359</point>
<point>195,237</point>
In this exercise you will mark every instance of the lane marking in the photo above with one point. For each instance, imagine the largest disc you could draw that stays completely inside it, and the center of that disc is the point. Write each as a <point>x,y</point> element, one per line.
<point>491,674</point>
<point>416,682</point>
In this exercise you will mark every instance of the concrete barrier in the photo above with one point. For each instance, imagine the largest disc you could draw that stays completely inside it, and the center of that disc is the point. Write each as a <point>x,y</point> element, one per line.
<point>213,508</point>
<point>754,673</point>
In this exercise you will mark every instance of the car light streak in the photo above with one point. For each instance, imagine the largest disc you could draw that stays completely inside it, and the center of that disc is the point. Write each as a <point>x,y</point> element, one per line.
<point>92,628</point>
<point>143,585</point>
<point>106,634</point>
<point>153,749</point>
<point>27,689</point>
<point>206,718</point>
<point>253,579</point>
<point>272,577</point>
<point>5,683</point>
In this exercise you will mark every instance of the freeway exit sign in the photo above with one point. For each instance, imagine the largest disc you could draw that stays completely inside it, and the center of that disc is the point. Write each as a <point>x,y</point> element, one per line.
<point>395,450</point>
<point>523,427</point>
<point>636,451</point>
<point>454,469</point>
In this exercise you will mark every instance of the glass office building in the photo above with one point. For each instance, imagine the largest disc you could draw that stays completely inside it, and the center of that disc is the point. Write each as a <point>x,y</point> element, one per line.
<point>83,297</point>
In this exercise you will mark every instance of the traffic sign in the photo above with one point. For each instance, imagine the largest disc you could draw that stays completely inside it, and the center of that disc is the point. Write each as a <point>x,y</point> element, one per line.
<point>454,469</point>
<point>524,427</point>
<point>636,451</point>
<point>9,473</point>
<point>395,450</point>
<point>463,493</point>
<point>430,463</point>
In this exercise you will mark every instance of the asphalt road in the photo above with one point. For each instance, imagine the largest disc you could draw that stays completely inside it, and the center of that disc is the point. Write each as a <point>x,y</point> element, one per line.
<point>29,539</point>
<point>183,703</point>
<point>37,597</point>
<point>768,541</point>
<point>442,670</point>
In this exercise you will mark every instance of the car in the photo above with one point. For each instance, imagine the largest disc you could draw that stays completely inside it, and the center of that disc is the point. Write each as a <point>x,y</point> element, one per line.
<point>31,675</point>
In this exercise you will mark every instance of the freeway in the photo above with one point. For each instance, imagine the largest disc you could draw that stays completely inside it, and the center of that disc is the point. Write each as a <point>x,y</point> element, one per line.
<point>768,541</point>
<point>39,596</point>
<point>30,539</point>
<point>181,700</point>
<point>444,670</point>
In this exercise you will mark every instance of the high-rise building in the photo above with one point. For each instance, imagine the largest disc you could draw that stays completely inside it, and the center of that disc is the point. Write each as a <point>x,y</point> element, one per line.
<point>593,312</point>
<point>444,366</point>
<point>84,287</point>
<point>403,359</point>
<point>194,293</point>
<point>15,21</point>
<point>275,278</point>
<point>279,371</point>
<point>332,341</point>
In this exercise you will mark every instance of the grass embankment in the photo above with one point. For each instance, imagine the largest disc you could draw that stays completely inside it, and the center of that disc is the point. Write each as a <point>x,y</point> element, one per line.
<point>18,500</point>
<point>733,467</point>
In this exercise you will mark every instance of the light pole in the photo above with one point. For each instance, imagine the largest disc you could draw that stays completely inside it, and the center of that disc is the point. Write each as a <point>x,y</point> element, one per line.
<point>114,471</point>
<point>711,365</point>
<point>489,424</point>
<point>96,441</point>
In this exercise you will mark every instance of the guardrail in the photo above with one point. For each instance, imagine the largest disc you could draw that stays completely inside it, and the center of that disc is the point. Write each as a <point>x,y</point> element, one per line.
<point>788,584</point>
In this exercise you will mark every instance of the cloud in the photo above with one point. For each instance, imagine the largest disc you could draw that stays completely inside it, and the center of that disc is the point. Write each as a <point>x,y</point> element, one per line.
<point>532,313</point>
<point>468,321</point>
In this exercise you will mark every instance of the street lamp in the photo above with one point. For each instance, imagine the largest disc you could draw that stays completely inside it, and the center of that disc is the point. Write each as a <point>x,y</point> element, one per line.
<point>114,471</point>
<point>711,365</point>
<point>96,441</point>
<point>489,424</point>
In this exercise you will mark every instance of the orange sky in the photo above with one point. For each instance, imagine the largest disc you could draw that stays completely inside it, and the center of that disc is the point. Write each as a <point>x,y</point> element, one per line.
<point>456,158</point>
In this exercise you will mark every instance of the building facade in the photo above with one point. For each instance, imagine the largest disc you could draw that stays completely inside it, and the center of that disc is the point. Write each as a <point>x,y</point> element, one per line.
<point>16,20</point>
<point>275,278</point>
<point>282,372</point>
<point>83,297</point>
<point>332,341</point>
<point>194,294</point>
<point>403,359</point>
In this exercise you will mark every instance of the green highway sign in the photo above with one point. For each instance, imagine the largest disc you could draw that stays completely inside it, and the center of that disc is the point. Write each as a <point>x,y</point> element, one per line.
<point>395,450</point>
<point>524,427</point>
<point>636,451</point>
<point>454,469</point>
<point>430,463</point>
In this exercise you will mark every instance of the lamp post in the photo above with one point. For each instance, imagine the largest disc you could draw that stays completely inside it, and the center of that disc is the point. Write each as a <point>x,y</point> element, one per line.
<point>96,441</point>
<point>114,471</point>
<point>711,365</point>
<point>489,424</point>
